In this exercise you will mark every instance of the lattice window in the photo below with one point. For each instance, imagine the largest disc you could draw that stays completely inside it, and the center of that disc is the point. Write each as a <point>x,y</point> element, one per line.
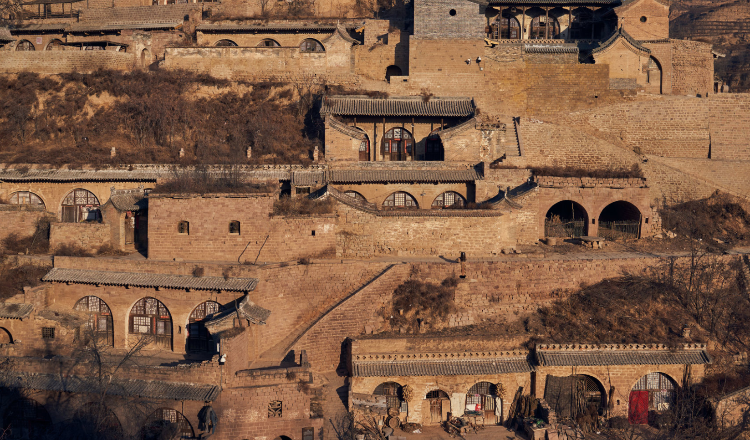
<point>183,227</point>
<point>356,195</point>
<point>268,42</point>
<point>310,45</point>
<point>26,198</point>
<point>275,408</point>
<point>400,200</point>
<point>449,199</point>
<point>48,333</point>
<point>80,205</point>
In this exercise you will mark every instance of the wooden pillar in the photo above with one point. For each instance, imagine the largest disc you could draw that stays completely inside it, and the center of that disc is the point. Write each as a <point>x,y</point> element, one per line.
<point>374,145</point>
<point>570,23</point>
<point>384,138</point>
<point>523,24</point>
<point>546,23</point>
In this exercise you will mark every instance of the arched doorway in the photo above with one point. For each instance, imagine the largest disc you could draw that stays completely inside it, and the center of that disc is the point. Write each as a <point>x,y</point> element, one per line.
<point>5,336</point>
<point>199,339</point>
<point>145,58</point>
<point>652,392</point>
<point>99,324</point>
<point>620,220</point>
<point>95,420</point>
<point>54,45</point>
<point>282,437</point>
<point>400,199</point>
<point>440,406</point>
<point>544,27</point>
<point>449,199</point>
<point>566,219</point>
<point>394,396</point>
<point>80,205</point>
<point>592,394</point>
<point>433,147</point>
<point>654,75</point>
<point>398,144</point>
<point>166,423</point>
<point>482,399</point>
<point>506,27</point>
<point>392,71</point>
<point>26,419</point>
<point>149,317</point>
<point>25,46</point>
<point>364,146</point>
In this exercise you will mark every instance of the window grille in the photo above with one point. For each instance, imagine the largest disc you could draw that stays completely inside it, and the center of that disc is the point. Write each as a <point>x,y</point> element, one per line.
<point>275,409</point>
<point>183,227</point>
<point>48,333</point>
<point>234,227</point>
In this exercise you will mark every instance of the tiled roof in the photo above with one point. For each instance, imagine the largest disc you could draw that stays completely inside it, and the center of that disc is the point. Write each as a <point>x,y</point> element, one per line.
<point>246,308</point>
<point>341,32</point>
<point>308,178</point>
<point>549,2</point>
<point>406,106</point>
<point>83,276</point>
<point>620,354</point>
<point>339,126</point>
<point>274,27</point>
<point>128,200</point>
<point>5,34</point>
<point>146,175</point>
<point>441,367</point>
<point>152,389</point>
<point>15,310</point>
<point>50,2</point>
<point>39,27</point>
<point>620,33</point>
<point>90,27</point>
<point>399,176</point>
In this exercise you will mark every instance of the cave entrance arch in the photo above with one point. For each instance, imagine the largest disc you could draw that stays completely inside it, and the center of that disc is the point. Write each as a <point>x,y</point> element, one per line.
<point>620,220</point>
<point>566,219</point>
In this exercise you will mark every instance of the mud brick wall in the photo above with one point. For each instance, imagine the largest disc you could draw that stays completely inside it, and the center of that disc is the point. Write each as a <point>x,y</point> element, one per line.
<point>365,235</point>
<point>693,68</point>
<point>654,27</point>
<point>732,409</point>
<point>551,58</point>
<point>445,19</point>
<point>553,88</point>
<point>51,62</point>
<point>261,236</point>
<point>374,57</point>
<point>20,220</point>
<point>729,122</point>
<point>88,235</point>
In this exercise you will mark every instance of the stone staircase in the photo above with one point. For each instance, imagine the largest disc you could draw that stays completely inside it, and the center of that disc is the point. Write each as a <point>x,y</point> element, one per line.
<point>335,314</point>
<point>510,144</point>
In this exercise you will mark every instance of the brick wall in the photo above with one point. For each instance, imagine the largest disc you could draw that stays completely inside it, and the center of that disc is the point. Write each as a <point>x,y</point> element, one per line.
<point>656,23</point>
<point>261,236</point>
<point>693,68</point>
<point>729,123</point>
<point>88,235</point>
<point>19,220</point>
<point>51,62</point>
<point>445,19</point>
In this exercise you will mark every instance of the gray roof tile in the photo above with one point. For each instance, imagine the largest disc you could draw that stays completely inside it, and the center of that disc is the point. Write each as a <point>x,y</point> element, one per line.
<point>405,106</point>
<point>246,308</point>
<point>557,355</point>
<point>296,26</point>
<point>82,276</point>
<point>443,367</point>
<point>15,310</point>
<point>153,389</point>
<point>403,176</point>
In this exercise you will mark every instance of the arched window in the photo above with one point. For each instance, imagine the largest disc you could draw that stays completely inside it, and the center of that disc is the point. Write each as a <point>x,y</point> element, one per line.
<point>392,71</point>
<point>440,405</point>
<point>654,74</point>
<point>268,42</point>
<point>234,227</point>
<point>166,423</point>
<point>400,199</point>
<point>310,45</point>
<point>620,220</point>
<point>26,419</point>
<point>54,45</point>
<point>150,317</point>
<point>482,400</point>
<point>199,339</point>
<point>25,46</point>
<point>566,219</point>
<point>183,227</point>
<point>394,393</point>
<point>145,58</point>
<point>99,323</point>
<point>96,420</point>
<point>80,205</point>
<point>226,43</point>
<point>449,199</point>
<point>398,144</point>
<point>26,198</point>
<point>506,28</point>
<point>355,195</point>
<point>652,392</point>
<point>544,27</point>
<point>433,147</point>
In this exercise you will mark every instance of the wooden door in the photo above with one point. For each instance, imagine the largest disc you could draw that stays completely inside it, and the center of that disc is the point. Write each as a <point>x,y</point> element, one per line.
<point>69,214</point>
<point>638,408</point>
<point>129,228</point>
<point>395,149</point>
<point>488,406</point>
<point>436,410</point>
<point>364,150</point>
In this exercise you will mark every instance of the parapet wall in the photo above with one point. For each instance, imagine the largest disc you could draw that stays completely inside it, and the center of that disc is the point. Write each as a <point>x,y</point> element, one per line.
<point>52,62</point>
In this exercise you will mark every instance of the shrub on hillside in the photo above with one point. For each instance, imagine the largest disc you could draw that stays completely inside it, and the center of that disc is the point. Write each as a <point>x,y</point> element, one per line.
<point>71,250</point>
<point>14,278</point>
<point>719,216</point>
<point>415,301</point>
<point>202,181</point>
<point>302,206</point>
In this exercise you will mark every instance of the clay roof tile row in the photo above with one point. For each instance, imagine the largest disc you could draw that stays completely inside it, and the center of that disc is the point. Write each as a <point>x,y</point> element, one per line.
<point>447,367</point>
<point>15,310</point>
<point>83,276</point>
<point>408,106</point>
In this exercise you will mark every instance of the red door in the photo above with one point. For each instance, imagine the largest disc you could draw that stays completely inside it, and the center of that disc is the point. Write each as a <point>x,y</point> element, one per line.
<point>638,408</point>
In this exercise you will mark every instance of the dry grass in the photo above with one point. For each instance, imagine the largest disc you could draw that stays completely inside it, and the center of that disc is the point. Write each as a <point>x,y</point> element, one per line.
<point>291,206</point>
<point>71,250</point>
<point>37,243</point>
<point>200,181</point>
<point>14,279</point>
<point>417,301</point>
<point>559,171</point>
<point>717,217</point>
